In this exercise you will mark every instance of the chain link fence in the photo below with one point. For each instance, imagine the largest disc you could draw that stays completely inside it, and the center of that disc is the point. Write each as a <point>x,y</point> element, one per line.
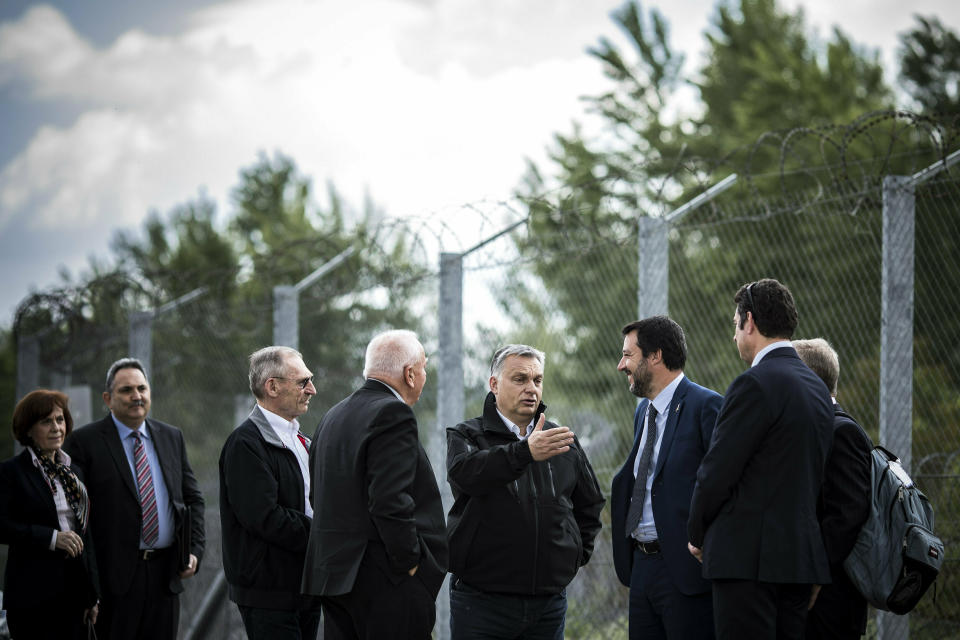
<point>566,283</point>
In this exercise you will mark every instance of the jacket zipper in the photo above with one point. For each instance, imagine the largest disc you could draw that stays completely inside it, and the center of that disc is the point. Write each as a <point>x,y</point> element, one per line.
<point>536,532</point>
<point>553,488</point>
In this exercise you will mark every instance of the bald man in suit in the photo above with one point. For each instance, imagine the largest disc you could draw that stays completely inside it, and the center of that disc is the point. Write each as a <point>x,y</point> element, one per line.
<point>377,552</point>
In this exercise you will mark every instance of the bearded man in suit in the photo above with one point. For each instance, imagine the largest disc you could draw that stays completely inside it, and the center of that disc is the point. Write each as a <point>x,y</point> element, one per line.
<point>650,501</point>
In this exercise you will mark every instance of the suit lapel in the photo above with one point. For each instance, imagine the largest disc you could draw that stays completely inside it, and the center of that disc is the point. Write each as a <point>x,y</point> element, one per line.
<point>670,429</point>
<point>112,442</point>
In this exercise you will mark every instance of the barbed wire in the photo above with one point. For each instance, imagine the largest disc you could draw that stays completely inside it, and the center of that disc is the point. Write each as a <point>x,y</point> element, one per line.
<point>843,173</point>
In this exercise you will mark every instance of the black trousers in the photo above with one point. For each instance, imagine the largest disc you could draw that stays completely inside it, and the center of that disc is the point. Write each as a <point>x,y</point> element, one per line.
<point>759,610</point>
<point>658,611</point>
<point>380,606</point>
<point>840,612</point>
<point>52,621</point>
<point>149,610</point>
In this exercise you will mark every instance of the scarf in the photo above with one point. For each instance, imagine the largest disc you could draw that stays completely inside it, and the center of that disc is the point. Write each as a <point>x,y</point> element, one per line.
<point>75,490</point>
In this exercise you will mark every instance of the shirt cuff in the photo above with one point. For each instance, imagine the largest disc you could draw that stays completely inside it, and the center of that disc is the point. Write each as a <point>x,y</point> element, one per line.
<point>53,541</point>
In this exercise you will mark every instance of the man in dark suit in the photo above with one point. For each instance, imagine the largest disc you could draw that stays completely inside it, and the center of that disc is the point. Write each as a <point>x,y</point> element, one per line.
<point>840,612</point>
<point>265,510</point>
<point>650,500</point>
<point>753,512</point>
<point>138,520</point>
<point>377,553</point>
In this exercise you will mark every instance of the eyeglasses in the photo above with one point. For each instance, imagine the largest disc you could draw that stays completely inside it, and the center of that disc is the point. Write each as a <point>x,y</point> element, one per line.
<point>753,307</point>
<point>301,384</point>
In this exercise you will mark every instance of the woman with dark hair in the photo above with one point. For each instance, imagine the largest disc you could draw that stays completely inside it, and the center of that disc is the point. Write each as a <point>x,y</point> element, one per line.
<point>50,586</point>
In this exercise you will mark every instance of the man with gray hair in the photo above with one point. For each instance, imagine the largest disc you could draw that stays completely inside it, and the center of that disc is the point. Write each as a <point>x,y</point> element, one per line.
<point>378,551</point>
<point>840,611</point>
<point>265,507</point>
<point>526,511</point>
<point>146,506</point>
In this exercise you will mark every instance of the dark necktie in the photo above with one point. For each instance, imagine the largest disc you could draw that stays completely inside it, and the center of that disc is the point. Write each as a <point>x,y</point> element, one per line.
<point>635,512</point>
<point>148,500</point>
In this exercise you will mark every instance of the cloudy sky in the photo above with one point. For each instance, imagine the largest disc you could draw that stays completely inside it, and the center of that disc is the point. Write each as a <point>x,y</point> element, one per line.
<point>111,108</point>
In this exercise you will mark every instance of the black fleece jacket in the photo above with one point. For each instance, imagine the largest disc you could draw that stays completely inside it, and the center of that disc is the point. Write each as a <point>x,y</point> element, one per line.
<point>517,526</point>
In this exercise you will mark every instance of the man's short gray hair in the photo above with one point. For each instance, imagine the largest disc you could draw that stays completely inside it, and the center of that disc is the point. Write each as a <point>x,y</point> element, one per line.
<point>389,352</point>
<point>122,363</point>
<point>521,350</point>
<point>269,362</point>
<point>817,354</point>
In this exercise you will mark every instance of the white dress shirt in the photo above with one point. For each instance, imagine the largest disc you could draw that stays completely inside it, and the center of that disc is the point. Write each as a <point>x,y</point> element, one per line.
<point>646,531</point>
<point>288,431</point>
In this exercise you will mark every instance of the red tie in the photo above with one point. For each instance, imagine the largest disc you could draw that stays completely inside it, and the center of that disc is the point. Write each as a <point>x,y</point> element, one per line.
<point>303,441</point>
<point>148,500</point>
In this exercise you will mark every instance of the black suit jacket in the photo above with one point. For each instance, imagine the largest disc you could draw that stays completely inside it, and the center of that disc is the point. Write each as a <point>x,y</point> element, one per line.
<point>686,436</point>
<point>372,486</point>
<point>115,504</point>
<point>754,507</point>
<point>35,575</point>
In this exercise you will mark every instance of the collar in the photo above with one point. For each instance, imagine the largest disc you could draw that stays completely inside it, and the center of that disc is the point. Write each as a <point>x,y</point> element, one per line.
<point>522,431</point>
<point>392,390</point>
<point>60,456</point>
<point>279,423</point>
<point>125,432</point>
<point>662,402</point>
<point>779,344</point>
<point>492,418</point>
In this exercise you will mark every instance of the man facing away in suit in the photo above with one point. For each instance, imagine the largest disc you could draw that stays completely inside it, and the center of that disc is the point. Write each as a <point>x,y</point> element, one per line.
<point>840,612</point>
<point>650,500</point>
<point>265,510</point>
<point>377,553</point>
<point>753,515</point>
<point>144,502</point>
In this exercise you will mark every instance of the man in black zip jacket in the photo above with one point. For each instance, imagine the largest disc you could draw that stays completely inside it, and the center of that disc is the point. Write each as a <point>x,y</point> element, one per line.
<point>526,511</point>
<point>265,511</point>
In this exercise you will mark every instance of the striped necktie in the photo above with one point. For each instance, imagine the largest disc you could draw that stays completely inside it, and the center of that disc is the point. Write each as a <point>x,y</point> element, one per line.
<point>148,500</point>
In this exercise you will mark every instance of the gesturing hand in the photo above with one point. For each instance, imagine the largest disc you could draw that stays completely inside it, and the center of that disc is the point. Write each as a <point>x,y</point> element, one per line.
<point>552,442</point>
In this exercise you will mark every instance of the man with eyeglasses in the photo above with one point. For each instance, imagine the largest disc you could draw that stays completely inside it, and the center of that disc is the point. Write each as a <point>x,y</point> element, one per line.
<point>753,514</point>
<point>265,510</point>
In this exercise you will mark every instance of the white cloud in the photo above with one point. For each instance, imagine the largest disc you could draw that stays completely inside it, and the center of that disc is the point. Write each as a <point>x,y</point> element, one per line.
<point>425,104</point>
<point>324,82</point>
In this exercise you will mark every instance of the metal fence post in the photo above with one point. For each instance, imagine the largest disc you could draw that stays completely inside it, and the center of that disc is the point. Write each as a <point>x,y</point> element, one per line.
<point>286,302</point>
<point>653,252</point>
<point>286,316</point>
<point>141,338</point>
<point>28,364</point>
<point>653,267</point>
<point>896,344</point>
<point>28,371</point>
<point>450,400</point>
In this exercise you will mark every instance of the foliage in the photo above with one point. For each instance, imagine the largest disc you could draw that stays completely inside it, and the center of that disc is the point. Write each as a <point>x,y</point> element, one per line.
<point>930,67</point>
<point>762,73</point>
<point>207,290</point>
